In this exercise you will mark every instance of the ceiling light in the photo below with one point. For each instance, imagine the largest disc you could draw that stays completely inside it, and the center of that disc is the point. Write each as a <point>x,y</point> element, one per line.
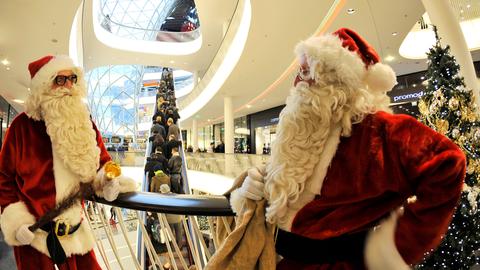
<point>422,78</point>
<point>208,120</point>
<point>350,11</point>
<point>461,10</point>
<point>171,61</point>
<point>414,85</point>
<point>249,106</point>
<point>8,68</point>
<point>389,58</point>
<point>18,101</point>
<point>394,33</point>
<point>28,88</point>
<point>468,6</point>
<point>5,62</point>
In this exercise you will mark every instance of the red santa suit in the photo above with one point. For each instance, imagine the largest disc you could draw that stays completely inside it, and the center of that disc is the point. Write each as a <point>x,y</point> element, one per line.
<point>405,158</point>
<point>33,179</point>
<point>30,176</point>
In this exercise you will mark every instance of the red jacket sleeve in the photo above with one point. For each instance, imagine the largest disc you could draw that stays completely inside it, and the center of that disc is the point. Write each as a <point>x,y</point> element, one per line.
<point>104,155</point>
<point>8,159</point>
<point>434,168</point>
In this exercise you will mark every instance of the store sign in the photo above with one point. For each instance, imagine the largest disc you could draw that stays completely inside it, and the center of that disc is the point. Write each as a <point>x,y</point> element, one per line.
<point>408,97</point>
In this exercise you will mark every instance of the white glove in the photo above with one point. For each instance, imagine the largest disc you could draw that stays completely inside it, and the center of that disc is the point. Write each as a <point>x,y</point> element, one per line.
<point>111,189</point>
<point>24,235</point>
<point>253,186</point>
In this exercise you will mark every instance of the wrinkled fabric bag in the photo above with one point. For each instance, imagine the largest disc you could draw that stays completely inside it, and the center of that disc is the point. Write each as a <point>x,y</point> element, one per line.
<point>250,245</point>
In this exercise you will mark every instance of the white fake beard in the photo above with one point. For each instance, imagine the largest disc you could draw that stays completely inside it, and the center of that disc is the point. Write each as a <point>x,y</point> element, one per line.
<point>305,124</point>
<point>70,129</point>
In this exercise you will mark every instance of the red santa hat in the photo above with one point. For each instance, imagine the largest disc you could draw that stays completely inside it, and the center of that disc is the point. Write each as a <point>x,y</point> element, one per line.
<point>43,70</point>
<point>351,59</point>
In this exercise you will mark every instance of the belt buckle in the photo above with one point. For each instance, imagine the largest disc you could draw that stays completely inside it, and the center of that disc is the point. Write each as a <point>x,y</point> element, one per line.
<point>65,224</point>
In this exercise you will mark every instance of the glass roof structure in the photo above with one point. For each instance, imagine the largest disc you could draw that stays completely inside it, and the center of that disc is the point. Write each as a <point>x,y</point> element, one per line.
<point>150,19</point>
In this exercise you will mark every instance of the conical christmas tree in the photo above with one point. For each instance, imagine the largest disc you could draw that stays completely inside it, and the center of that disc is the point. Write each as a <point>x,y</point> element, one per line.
<point>449,108</point>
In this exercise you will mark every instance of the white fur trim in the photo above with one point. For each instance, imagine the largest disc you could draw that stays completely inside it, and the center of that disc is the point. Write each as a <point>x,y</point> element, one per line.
<point>325,54</point>
<point>380,78</point>
<point>314,184</point>
<point>237,201</point>
<point>14,215</point>
<point>65,179</point>
<point>380,250</point>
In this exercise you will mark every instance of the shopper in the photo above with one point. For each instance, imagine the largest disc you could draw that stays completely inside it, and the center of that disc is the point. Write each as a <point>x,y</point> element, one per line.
<point>173,129</point>
<point>175,167</point>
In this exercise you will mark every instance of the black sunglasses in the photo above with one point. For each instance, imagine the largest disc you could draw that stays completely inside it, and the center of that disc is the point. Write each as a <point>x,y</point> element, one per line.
<point>60,80</point>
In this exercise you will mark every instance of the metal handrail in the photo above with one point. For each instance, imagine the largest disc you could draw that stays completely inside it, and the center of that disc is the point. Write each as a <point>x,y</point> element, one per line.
<point>182,204</point>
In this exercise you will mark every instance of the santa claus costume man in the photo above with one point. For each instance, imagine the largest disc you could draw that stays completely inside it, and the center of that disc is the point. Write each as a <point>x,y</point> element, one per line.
<point>48,151</point>
<point>342,166</point>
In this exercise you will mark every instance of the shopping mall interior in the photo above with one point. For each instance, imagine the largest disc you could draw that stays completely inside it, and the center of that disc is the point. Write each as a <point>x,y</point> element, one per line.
<point>222,71</point>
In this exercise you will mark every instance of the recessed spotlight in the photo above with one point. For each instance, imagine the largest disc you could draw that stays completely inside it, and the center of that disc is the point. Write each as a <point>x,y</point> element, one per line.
<point>350,11</point>
<point>468,6</point>
<point>461,11</point>
<point>171,61</point>
<point>208,120</point>
<point>5,62</point>
<point>28,88</point>
<point>394,33</point>
<point>249,106</point>
<point>414,85</point>
<point>8,68</point>
<point>18,101</point>
<point>389,58</point>
<point>422,78</point>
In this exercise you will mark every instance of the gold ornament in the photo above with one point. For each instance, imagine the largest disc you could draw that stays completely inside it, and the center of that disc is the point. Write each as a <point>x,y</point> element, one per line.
<point>422,107</point>
<point>442,126</point>
<point>468,114</point>
<point>461,140</point>
<point>112,170</point>
<point>455,133</point>
<point>453,104</point>
<point>471,116</point>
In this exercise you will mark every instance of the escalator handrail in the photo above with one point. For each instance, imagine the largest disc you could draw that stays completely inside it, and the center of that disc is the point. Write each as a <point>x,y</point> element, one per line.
<point>182,204</point>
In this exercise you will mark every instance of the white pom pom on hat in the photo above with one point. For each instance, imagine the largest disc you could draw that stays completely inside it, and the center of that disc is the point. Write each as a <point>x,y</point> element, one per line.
<point>349,55</point>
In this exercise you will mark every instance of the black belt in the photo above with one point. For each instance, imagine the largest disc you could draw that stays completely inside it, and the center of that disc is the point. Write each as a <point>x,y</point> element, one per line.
<point>344,248</point>
<point>57,229</point>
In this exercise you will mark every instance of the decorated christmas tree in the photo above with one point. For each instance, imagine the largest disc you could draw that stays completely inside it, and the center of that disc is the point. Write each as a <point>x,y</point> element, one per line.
<point>449,108</point>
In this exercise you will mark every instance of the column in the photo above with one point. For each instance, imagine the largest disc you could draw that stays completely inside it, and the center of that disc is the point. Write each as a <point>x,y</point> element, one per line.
<point>194,134</point>
<point>442,15</point>
<point>228,112</point>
